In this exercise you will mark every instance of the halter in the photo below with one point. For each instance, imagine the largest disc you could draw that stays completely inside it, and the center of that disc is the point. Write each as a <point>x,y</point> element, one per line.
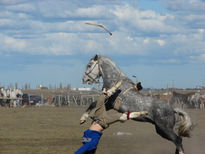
<point>97,75</point>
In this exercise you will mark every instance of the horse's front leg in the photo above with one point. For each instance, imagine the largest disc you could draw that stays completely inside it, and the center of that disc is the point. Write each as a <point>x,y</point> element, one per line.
<point>85,115</point>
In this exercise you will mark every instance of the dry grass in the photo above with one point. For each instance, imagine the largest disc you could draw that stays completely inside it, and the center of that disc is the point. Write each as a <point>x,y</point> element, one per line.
<point>51,130</point>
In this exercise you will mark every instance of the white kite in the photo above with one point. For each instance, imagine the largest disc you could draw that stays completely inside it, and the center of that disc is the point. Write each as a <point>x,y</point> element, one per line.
<point>101,26</point>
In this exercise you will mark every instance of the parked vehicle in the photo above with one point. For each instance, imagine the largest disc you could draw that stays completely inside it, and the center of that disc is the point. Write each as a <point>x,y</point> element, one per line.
<point>30,99</point>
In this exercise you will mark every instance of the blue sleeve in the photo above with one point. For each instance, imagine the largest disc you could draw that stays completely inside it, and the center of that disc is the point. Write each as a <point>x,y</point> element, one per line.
<point>88,146</point>
<point>82,149</point>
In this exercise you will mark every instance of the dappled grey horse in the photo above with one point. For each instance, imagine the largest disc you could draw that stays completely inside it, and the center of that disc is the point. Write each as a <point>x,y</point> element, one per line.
<point>170,123</point>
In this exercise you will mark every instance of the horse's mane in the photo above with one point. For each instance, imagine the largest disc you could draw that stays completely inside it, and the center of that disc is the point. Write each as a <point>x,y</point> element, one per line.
<point>108,60</point>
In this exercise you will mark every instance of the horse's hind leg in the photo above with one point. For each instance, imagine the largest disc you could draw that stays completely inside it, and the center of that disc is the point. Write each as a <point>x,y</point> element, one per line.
<point>169,134</point>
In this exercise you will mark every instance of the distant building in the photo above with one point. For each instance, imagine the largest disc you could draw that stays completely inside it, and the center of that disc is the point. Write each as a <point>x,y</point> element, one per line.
<point>82,89</point>
<point>200,87</point>
<point>42,87</point>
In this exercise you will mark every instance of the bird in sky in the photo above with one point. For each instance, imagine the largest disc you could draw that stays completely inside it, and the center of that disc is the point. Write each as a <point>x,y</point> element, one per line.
<point>101,26</point>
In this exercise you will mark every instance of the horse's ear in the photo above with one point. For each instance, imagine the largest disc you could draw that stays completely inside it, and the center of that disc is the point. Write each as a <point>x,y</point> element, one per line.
<point>95,58</point>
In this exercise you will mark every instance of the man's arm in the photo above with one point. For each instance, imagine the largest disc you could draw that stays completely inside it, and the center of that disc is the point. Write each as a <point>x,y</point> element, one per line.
<point>90,139</point>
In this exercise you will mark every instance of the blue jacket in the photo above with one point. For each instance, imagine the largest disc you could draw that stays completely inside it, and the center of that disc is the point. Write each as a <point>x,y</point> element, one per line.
<point>90,141</point>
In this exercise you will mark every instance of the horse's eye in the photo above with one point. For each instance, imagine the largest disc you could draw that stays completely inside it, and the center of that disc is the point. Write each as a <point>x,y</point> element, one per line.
<point>90,65</point>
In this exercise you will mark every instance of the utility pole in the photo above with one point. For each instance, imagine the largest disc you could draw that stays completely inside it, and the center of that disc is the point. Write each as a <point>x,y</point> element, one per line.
<point>173,84</point>
<point>168,93</point>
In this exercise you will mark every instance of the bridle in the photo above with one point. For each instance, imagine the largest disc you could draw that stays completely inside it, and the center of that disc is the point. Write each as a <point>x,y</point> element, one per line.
<point>96,75</point>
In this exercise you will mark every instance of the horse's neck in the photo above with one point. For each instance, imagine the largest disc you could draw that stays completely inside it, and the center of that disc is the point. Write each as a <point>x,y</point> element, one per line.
<point>110,73</point>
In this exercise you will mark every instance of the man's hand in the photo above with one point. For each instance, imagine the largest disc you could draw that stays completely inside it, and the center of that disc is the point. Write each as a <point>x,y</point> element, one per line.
<point>112,90</point>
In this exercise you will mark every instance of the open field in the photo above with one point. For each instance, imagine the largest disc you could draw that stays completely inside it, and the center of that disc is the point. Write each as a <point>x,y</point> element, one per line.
<point>52,130</point>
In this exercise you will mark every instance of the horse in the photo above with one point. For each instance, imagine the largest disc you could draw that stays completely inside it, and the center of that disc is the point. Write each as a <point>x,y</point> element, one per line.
<point>170,123</point>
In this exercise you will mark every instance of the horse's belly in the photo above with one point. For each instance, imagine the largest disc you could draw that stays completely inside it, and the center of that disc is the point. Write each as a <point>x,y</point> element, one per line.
<point>135,104</point>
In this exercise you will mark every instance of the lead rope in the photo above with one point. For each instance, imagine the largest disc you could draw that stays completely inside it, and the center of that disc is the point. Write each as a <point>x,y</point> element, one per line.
<point>100,71</point>
<point>118,78</point>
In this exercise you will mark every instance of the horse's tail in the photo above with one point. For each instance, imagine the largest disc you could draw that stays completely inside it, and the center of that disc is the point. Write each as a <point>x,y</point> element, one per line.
<point>183,124</point>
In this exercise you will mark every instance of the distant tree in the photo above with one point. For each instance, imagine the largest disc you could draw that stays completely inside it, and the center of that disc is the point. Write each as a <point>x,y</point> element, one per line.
<point>68,86</point>
<point>60,86</point>
<point>27,86</point>
<point>16,85</point>
<point>11,86</point>
<point>50,86</point>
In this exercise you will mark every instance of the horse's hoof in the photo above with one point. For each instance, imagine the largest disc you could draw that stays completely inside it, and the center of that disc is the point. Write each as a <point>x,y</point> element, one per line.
<point>181,152</point>
<point>84,117</point>
<point>82,122</point>
<point>144,113</point>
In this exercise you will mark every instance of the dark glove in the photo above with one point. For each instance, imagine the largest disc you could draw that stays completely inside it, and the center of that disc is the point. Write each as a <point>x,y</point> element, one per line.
<point>139,86</point>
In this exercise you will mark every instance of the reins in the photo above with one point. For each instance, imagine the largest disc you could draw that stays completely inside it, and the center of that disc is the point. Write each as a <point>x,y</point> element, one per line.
<point>91,71</point>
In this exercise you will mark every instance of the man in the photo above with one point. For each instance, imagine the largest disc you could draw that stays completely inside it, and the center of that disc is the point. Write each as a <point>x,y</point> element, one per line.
<point>90,139</point>
<point>101,121</point>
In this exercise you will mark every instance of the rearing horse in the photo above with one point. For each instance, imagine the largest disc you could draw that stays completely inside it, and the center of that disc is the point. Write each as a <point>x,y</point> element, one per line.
<point>172,124</point>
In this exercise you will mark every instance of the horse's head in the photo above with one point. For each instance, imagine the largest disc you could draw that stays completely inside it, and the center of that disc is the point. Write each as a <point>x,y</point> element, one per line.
<point>92,73</point>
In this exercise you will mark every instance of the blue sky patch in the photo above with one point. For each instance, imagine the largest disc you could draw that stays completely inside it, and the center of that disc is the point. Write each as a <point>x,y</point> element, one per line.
<point>45,42</point>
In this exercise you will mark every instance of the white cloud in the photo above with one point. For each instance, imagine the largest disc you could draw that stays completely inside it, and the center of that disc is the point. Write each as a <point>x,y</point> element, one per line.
<point>73,9</point>
<point>174,61</point>
<point>201,31</point>
<point>129,38</point>
<point>12,44</point>
<point>161,42</point>
<point>200,58</point>
<point>23,7</point>
<point>6,22</point>
<point>94,11</point>
<point>157,36</point>
<point>11,1</point>
<point>50,27</point>
<point>185,5</point>
<point>142,20</point>
<point>23,16</point>
<point>146,40</point>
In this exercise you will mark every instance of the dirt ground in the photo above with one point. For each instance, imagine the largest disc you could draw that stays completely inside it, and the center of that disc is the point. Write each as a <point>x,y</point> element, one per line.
<point>52,130</point>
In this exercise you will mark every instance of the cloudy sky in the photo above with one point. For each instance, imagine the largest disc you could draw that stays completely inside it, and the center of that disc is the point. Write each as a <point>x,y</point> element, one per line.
<point>46,41</point>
